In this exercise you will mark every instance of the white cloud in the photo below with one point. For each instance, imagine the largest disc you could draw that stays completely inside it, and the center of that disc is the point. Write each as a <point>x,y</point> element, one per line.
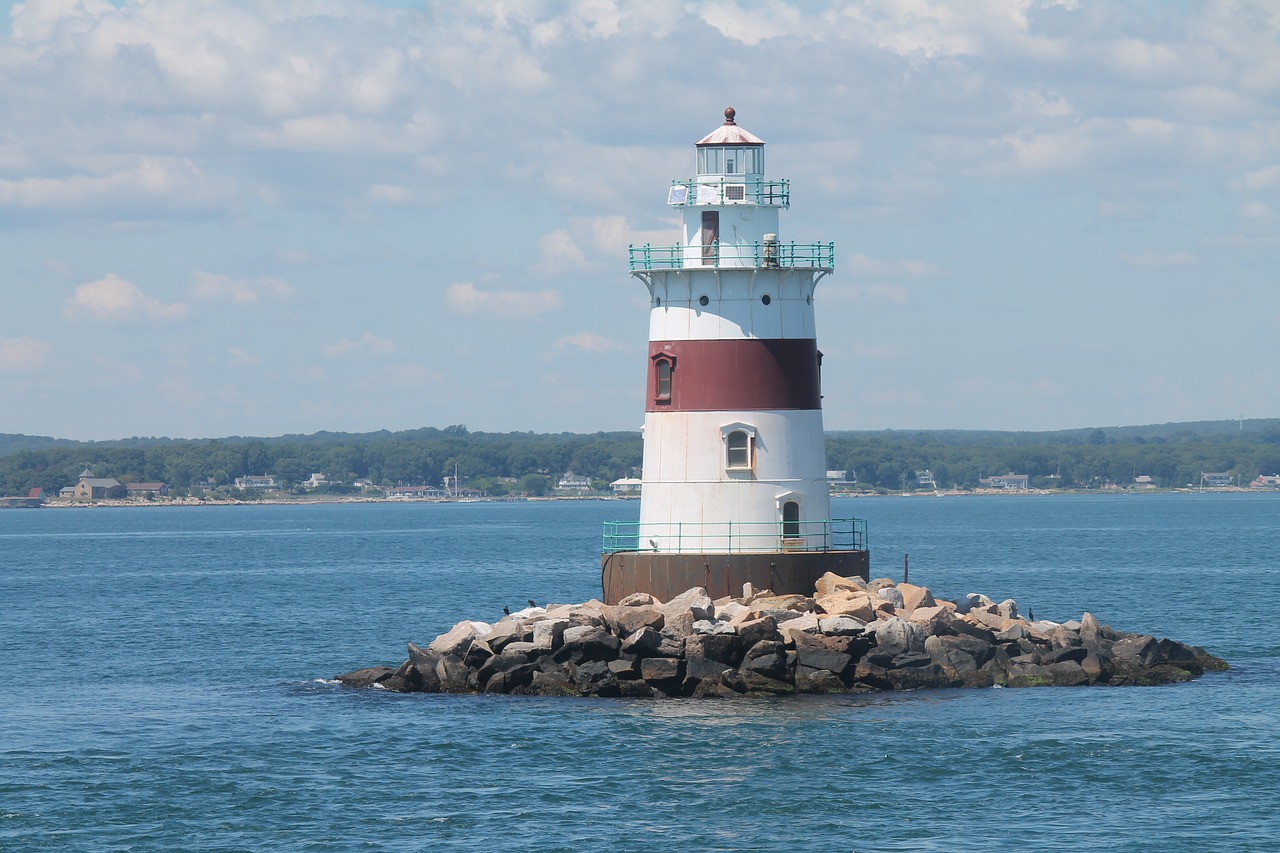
<point>466,298</point>
<point>213,287</point>
<point>864,267</point>
<point>1152,258</point>
<point>240,358</point>
<point>367,344</point>
<point>113,299</point>
<point>875,293</point>
<point>590,341</point>
<point>18,355</point>
<point>558,253</point>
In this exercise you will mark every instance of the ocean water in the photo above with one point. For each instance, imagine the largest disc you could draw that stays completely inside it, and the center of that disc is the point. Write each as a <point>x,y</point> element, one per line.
<point>165,684</point>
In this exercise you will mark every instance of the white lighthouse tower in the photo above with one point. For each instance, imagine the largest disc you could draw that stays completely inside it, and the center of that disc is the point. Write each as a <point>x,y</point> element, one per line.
<point>734,487</point>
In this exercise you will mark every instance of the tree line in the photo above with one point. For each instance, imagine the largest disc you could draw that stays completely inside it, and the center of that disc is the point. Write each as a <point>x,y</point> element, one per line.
<point>1173,455</point>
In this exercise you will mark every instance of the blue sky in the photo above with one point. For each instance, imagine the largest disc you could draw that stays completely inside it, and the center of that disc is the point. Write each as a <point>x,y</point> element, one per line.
<point>236,217</point>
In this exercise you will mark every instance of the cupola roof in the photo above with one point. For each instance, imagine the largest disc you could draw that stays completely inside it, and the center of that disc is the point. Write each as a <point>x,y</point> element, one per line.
<point>729,133</point>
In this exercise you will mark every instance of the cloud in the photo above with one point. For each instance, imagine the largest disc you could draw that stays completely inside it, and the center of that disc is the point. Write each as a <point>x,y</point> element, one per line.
<point>18,355</point>
<point>212,287</point>
<point>466,298</point>
<point>590,341</point>
<point>114,300</point>
<point>558,253</point>
<point>878,293</point>
<point>864,267</point>
<point>367,344</point>
<point>240,358</point>
<point>1152,258</point>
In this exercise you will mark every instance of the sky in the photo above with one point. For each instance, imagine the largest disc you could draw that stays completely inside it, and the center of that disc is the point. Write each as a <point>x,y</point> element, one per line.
<point>260,217</point>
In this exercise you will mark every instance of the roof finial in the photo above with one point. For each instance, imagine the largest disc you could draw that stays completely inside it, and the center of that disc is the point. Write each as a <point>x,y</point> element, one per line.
<point>729,113</point>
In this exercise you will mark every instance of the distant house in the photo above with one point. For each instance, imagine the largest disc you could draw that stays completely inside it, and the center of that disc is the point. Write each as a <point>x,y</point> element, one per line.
<point>574,483</point>
<point>34,498</point>
<point>1266,481</point>
<point>1011,482</point>
<point>1143,481</point>
<point>1215,479</point>
<point>925,479</point>
<point>267,482</point>
<point>415,492</point>
<point>626,486</point>
<point>97,488</point>
<point>317,480</point>
<point>146,490</point>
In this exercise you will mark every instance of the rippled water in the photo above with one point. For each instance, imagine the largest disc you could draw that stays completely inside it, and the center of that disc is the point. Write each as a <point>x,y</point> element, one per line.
<point>163,686</point>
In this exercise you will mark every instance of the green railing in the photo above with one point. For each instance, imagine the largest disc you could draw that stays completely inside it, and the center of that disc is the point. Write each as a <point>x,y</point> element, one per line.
<point>745,255</point>
<point>726,190</point>
<point>736,537</point>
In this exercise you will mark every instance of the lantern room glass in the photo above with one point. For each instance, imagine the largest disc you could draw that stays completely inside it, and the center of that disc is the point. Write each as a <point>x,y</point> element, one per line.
<point>731,160</point>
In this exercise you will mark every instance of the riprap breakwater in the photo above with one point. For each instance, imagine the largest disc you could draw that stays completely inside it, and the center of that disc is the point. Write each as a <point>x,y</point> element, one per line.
<point>850,636</point>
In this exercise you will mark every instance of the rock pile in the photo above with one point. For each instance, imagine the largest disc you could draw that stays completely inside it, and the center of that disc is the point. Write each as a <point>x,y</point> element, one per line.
<point>850,636</point>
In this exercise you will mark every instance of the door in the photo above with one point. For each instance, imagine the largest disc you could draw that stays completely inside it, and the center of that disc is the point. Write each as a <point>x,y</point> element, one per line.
<point>710,237</point>
<point>791,520</point>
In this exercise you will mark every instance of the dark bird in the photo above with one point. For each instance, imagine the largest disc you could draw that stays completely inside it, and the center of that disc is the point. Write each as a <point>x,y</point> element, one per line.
<point>531,604</point>
<point>1031,616</point>
<point>506,610</point>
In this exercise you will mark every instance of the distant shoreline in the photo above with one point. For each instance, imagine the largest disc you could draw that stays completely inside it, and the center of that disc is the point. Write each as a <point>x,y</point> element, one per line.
<point>347,499</point>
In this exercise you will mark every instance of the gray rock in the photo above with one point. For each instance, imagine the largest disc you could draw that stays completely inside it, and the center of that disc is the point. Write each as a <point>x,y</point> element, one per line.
<point>823,653</point>
<point>756,630</point>
<point>458,638</point>
<point>1138,648</point>
<point>841,626</point>
<point>624,621</point>
<point>695,601</point>
<point>896,635</point>
<point>891,595</point>
<point>366,677</point>
<point>643,643</point>
<point>662,671</point>
<point>592,644</point>
<point>809,680</point>
<point>767,658</point>
<point>577,633</point>
<point>638,599</point>
<point>712,626</point>
<point>724,648</point>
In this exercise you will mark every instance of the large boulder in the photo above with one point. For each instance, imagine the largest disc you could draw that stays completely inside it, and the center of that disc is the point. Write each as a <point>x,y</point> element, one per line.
<point>458,638</point>
<point>847,603</point>
<point>915,596</point>
<point>831,583</point>
<point>588,643</point>
<point>824,653</point>
<point>753,631</point>
<point>896,635</point>
<point>695,602</point>
<point>624,621</point>
<point>767,658</point>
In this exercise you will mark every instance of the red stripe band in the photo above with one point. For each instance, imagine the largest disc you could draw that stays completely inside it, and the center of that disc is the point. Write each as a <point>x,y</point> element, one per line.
<point>738,375</point>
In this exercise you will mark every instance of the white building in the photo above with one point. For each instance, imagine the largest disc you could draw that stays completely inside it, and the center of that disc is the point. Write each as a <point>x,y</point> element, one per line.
<point>734,475</point>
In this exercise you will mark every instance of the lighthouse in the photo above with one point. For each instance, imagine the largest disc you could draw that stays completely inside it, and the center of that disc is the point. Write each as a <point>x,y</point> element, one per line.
<point>734,487</point>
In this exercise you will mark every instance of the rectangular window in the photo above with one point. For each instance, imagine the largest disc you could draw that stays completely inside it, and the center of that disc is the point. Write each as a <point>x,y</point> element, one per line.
<point>664,379</point>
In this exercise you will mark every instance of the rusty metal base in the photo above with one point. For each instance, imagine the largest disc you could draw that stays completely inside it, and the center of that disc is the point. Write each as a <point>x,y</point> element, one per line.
<point>667,575</point>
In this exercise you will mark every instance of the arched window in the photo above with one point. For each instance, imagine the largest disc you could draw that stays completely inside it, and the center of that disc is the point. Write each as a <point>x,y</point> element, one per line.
<point>738,450</point>
<point>663,368</point>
